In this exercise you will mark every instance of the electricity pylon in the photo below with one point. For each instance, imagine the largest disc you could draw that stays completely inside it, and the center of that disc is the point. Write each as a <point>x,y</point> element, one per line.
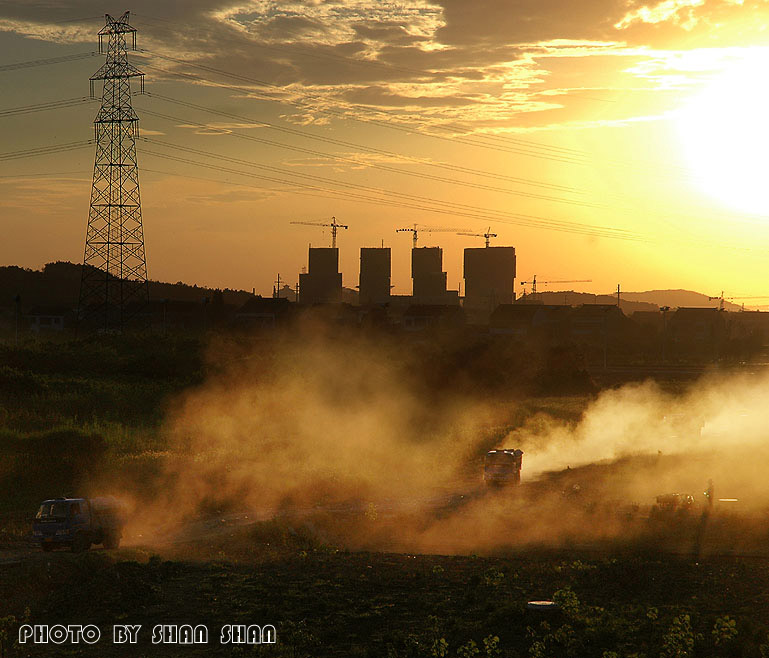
<point>114,284</point>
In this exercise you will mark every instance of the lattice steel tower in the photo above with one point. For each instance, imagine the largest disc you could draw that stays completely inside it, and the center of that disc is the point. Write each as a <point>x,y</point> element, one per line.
<point>114,284</point>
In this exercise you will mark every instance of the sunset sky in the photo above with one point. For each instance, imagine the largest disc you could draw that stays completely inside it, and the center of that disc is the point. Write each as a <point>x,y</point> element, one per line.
<point>617,141</point>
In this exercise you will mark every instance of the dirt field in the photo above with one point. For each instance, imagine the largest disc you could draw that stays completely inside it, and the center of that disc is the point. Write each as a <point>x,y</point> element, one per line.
<point>670,585</point>
<point>328,602</point>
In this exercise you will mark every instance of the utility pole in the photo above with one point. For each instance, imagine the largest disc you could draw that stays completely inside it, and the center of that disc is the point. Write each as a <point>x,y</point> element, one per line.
<point>618,295</point>
<point>664,310</point>
<point>276,288</point>
<point>114,273</point>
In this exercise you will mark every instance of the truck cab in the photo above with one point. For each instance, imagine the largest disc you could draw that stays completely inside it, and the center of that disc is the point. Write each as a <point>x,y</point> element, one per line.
<point>76,523</point>
<point>502,467</point>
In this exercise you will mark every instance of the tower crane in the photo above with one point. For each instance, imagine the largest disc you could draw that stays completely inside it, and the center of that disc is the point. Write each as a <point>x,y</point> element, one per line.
<point>416,230</point>
<point>533,282</point>
<point>721,299</point>
<point>334,228</point>
<point>488,234</point>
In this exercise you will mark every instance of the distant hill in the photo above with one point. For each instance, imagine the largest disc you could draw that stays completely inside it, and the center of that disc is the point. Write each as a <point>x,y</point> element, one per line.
<point>577,298</point>
<point>630,302</point>
<point>58,284</point>
<point>677,298</point>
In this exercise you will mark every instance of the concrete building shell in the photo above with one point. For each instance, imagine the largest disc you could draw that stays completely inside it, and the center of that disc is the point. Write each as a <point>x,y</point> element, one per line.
<point>323,281</point>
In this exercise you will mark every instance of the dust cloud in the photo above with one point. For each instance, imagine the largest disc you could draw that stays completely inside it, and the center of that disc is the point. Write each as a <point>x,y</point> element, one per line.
<point>339,427</point>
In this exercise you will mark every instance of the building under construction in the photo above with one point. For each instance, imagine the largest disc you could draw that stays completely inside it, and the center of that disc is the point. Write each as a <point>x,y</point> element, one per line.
<point>375,272</point>
<point>323,281</point>
<point>428,277</point>
<point>489,277</point>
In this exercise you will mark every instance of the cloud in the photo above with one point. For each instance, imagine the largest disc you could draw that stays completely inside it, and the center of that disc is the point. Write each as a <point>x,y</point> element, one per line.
<point>24,192</point>
<point>216,128</point>
<point>334,22</point>
<point>485,63</point>
<point>680,12</point>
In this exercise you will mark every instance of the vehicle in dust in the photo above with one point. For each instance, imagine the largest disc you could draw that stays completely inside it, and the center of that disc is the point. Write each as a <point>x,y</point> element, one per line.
<point>77,523</point>
<point>673,505</point>
<point>502,467</point>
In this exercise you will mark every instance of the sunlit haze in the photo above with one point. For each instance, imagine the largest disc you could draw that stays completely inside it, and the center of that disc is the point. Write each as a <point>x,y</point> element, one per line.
<point>726,136</point>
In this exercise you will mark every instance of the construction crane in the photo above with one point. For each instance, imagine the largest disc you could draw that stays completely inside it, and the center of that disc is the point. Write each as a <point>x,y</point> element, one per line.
<point>721,299</point>
<point>416,230</point>
<point>533,282</point>
<point>334,228</point>
<point>488,234</point>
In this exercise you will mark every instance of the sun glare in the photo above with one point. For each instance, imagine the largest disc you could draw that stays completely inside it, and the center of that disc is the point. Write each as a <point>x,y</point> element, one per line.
<point>725,135</point>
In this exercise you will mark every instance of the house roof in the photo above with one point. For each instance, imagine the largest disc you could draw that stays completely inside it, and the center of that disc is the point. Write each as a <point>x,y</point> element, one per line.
<point>433,310</point>
<point>265,305</point>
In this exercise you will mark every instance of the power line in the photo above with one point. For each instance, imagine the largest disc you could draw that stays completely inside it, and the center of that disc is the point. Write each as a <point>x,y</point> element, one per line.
<point>555,154</point>
<point>382,167</point>
<point>330,140</point>
<point>318,191</point>
<point>450,207</point>
<point>406,158</point>
<point>550,152</point>
<point>47,173</point>
<point>325,193</point>
<point>45,62</point>
<point>85,100</point>
<point>414,202</point>
<point>443,165</point>
<point>357,117</point>
<point>79,20</point>
<point>392,67</point>
<point>44,150</point>
<point>352,145</point>
<point>68,102</point>
<point>41,107</point>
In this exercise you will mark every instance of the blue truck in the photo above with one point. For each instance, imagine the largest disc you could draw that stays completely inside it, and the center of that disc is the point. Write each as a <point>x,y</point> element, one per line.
<point>77,523</point>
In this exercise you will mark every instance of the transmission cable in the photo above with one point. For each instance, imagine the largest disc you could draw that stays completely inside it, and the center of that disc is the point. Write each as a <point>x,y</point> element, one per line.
<point>41,107</point>
<point>346,115</point>
<point>382,167</point>
<point>457,208</point>
<point>45,150</point>
<point>441,165</point>
<point>47,61</point>
<point>330,140</point>
<point>530,149</point>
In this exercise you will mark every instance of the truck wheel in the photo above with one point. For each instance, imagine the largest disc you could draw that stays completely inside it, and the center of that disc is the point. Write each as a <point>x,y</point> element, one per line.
<point>111,541</point>
<point>80,544</point>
